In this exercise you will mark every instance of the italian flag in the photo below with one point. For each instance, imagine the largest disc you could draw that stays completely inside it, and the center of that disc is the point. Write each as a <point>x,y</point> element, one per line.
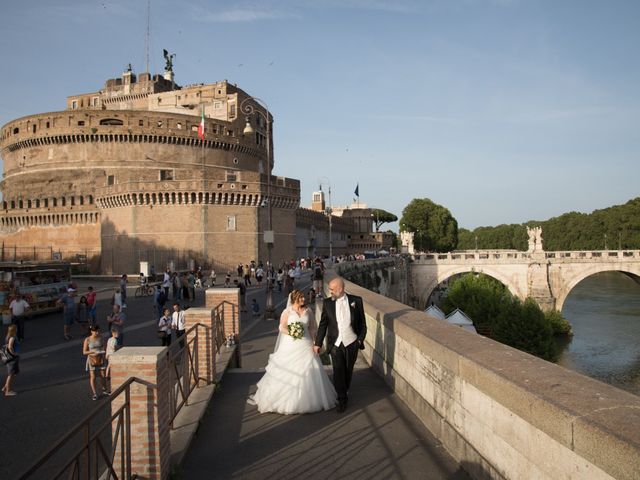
<point>201,126</point>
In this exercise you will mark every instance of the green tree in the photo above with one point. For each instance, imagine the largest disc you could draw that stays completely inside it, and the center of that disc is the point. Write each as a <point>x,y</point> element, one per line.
<point>434,228</point>
<point>524,326</point>
<point>380,217</point>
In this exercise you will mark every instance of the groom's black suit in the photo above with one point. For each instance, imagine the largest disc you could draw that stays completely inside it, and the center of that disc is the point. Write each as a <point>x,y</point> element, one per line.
<point>343,357</point>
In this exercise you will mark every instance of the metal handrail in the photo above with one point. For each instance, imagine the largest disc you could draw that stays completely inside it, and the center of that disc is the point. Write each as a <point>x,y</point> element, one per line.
<point>80,463</point>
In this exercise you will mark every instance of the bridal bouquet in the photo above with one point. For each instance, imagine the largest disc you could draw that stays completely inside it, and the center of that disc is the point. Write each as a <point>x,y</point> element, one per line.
<point>296,330</point>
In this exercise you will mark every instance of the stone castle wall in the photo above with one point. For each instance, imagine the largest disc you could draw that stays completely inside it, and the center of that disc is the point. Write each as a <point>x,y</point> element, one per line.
<point>143,180</point>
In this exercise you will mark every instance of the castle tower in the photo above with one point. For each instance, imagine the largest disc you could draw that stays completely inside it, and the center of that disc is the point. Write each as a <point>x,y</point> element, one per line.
<point>317,202</point>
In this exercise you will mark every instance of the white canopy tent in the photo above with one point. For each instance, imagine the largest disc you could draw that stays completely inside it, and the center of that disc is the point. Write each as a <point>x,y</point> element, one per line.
<point>435,312</point>
<point>460,319</point>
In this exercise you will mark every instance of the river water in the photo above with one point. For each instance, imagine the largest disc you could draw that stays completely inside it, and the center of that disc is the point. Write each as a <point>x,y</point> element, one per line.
<point>604,311</point>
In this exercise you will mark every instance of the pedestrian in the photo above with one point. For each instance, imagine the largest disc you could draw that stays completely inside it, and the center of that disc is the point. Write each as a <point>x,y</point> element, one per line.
<point>280,279</point>
<point>13,365</point>
<point>92,302</point>
<point>112,346</point>
<point>243,295</point>
<point>116,321</point>
<point>191,281</point>
<point>312,296</point>
<point>255,308</point>
<point>166,282</point>
<point>178,323</point>
<point>259,275</point>
<point>123,289</point>
<point>93,348</point>
<point>212,277</point>
<point>318,276</point>
<point>246,275</point>
<point>160,300</point>
<point>164,328</point>
<point>117,299</point>
<point>68,311</point>
<point>227,280</point>
<point>19,308</point>
<point>175,287</point>
<point>184,282</point>
<point>82,313</point>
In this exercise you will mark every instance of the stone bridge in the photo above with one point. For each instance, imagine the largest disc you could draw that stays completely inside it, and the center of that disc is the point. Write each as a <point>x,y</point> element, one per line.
<point>548,277</point>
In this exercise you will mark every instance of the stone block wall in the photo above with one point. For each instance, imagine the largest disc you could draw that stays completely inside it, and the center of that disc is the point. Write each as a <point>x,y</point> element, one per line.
<point>500,412</point>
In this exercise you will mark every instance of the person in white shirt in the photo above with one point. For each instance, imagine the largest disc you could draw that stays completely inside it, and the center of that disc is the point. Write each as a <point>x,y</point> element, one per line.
<point>178,323</point>
<point>19,307</point>
<point>343,322</point>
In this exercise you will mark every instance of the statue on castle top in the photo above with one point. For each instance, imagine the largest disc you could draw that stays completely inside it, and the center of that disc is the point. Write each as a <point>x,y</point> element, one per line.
<point>169,59</point>
<point>129,68</point>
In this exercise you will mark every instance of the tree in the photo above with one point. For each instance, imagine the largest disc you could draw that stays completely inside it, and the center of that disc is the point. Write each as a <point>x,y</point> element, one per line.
<point>381,217</point>
<point>433,226</point>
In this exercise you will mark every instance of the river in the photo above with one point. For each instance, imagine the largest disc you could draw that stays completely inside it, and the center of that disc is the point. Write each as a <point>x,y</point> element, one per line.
<point>604,311</point>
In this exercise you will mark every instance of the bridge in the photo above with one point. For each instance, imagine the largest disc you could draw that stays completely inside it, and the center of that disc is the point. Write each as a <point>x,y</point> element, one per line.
<point>547,277</point>
<point>429,400</point>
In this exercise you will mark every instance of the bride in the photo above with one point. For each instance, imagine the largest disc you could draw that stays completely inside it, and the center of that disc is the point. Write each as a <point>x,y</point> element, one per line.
<point>294,379</point>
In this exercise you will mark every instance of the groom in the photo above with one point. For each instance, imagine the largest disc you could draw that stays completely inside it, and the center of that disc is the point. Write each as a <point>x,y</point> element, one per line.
<point>343,323</point>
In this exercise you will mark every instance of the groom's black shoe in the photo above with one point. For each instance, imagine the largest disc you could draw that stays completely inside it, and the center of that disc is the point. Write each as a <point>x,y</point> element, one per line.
<point>342,406</point>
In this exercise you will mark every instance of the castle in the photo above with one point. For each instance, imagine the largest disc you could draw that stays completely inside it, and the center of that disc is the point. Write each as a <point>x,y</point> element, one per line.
<point>122,175</point>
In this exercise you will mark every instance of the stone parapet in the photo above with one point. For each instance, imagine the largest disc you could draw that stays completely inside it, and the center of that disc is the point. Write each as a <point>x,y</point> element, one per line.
<point>502,413</point>
<point>205,352</point>
<point>226,303</point>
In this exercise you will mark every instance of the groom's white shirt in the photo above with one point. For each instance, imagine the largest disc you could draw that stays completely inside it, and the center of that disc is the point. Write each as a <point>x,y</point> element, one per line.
<point>346,335</point>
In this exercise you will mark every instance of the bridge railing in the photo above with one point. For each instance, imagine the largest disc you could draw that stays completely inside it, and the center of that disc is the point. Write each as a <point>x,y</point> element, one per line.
<point>515,256</point>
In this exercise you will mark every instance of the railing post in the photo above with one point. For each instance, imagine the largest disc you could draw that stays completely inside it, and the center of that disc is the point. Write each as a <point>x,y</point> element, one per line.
<point>149,409</point>
<point>230,299</point>
<point>205,351</point>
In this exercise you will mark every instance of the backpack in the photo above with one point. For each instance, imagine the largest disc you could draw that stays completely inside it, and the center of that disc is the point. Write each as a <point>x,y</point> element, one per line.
<point>318,272</point>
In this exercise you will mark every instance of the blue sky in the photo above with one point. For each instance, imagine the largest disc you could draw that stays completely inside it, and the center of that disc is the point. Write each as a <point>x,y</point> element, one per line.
<point>503,111</point>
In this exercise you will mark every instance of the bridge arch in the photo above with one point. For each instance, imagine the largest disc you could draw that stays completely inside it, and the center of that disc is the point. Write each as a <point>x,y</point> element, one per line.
<point>445,274</point>
<point>569,283</point>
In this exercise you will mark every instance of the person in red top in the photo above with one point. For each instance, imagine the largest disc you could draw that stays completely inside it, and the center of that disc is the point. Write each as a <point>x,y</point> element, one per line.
<point>91,301</point>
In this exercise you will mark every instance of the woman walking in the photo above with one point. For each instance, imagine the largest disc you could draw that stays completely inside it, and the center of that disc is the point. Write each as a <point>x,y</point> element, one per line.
<point>13,365</point>
<point>164,328</point>
<point>93,349</point>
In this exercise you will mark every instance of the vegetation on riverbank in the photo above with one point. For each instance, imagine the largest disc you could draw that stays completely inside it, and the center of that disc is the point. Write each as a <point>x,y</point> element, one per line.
<point>495,311</point>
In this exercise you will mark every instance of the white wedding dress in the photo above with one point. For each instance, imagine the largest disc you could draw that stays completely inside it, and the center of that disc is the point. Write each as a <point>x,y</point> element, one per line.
<point>294,379</point>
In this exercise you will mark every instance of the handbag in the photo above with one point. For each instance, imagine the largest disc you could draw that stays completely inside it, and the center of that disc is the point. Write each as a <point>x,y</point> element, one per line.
<point>96,360</point>
<point>162,334</point>
<point>5,355</point>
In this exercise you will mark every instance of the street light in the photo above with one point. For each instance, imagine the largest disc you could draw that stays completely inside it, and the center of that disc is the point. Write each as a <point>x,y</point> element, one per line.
<point>329,213</point>
<point>248,108</point>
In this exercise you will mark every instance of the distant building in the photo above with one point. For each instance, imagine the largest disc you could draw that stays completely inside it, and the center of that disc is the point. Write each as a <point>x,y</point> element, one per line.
<point>122,173</point>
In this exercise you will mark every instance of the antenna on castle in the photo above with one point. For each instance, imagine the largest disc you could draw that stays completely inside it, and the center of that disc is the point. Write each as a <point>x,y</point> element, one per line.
<point>148,34</point>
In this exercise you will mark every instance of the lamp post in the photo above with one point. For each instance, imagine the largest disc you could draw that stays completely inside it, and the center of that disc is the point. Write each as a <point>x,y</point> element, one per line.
<point>248,108</point>
<point>329,212</point>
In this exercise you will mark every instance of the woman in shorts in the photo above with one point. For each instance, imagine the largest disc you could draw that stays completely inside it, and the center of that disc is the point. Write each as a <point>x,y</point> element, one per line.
<point>13,365</point>
<point>93,349</point>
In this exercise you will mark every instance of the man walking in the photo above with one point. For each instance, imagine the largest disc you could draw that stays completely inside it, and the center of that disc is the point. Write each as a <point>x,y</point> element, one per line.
<point>19,307</point>
<point>343,323</point>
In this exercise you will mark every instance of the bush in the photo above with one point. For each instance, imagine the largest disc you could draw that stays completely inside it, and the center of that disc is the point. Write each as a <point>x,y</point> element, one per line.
<point>559,324</point>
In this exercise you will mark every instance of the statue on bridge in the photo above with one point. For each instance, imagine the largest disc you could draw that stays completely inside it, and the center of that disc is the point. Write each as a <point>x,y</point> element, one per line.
<point>535,239</point>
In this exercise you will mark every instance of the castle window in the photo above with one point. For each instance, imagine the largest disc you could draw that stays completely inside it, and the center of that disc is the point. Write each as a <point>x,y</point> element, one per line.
<point>159,123</point>
<point>73,200</point>
<point>33,128</point>
<point>111,180</point>
<point>13,204</point>
<point>81,123</point>
<point>95,101</point>
<point>232,176</point>
<point>166,174</point>
<point>231,223</point>
<point>46,203</point>
<point>20,204</point>
<point>179,125</point>
<point>111,121</point>
<point>47,124</point>
<point>64,202</point>
<point>55,202</point>
<point>217,105</point>
<point>16,130</point>
<point>232,110</point>
<point>141,123</point>
<point>74,104</point>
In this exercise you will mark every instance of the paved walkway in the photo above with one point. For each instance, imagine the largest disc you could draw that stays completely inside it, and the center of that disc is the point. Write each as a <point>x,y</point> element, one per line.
<point>376,438</point>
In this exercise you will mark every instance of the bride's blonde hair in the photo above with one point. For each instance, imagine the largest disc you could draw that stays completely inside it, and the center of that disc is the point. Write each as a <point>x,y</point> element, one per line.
<point>296,296</point>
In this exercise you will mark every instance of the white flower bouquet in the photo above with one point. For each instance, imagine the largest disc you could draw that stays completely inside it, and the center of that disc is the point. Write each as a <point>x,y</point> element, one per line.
<point>296,330</point>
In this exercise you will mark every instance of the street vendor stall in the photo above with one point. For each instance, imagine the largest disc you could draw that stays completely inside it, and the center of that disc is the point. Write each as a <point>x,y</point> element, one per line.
<point>40,284</point>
